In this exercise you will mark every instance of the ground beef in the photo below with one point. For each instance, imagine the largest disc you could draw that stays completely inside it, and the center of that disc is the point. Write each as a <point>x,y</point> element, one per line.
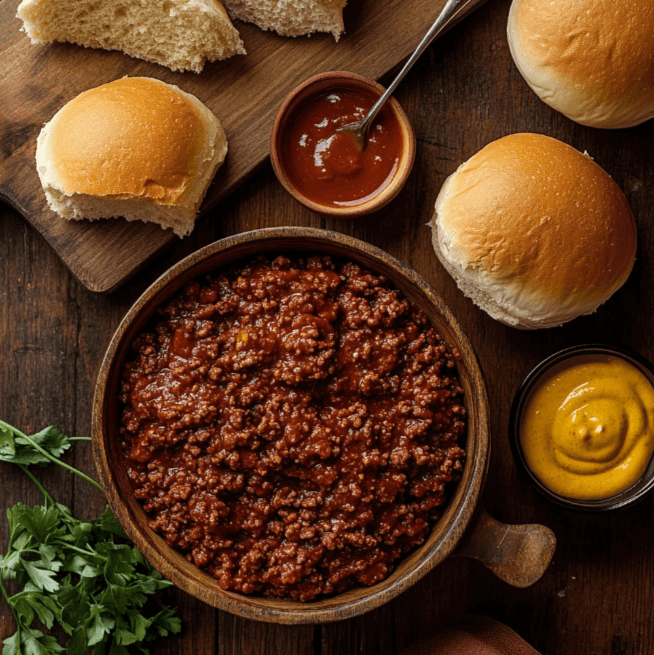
<point>291,426</point>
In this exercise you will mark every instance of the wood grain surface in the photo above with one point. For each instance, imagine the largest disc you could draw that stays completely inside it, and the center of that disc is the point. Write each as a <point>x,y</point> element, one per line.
<point>597,596</point>
<point>244,92</point>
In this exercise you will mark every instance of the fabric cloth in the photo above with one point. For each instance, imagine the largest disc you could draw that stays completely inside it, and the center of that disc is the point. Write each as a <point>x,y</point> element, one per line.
<point>474,635</point>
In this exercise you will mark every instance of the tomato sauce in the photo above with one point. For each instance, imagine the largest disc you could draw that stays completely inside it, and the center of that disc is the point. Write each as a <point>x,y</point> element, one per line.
<point>325,165</point>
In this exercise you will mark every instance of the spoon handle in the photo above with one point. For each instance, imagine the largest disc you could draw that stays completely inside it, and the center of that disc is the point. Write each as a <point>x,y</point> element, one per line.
<point>450,8</point>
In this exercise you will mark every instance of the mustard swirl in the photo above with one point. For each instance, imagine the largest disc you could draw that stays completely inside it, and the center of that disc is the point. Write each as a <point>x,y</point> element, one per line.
<point>587,429</point>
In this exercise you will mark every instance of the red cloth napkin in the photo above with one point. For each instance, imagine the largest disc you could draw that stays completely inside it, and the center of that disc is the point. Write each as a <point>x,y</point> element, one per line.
<point>474,635</point>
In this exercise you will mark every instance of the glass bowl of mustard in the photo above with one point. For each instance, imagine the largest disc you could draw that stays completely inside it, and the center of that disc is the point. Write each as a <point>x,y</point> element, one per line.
<point>582,427</point>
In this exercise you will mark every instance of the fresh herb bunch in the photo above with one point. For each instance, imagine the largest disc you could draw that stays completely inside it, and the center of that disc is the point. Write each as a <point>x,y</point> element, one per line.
<point>85,576</point>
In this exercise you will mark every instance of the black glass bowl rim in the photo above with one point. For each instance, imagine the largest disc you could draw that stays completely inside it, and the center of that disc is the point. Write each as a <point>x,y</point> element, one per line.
<point>628,497</point>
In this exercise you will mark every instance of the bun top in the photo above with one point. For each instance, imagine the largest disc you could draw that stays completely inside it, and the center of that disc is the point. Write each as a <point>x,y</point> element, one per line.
<point>534,231</point>
<point>592,60</point>
<point>132,138</point>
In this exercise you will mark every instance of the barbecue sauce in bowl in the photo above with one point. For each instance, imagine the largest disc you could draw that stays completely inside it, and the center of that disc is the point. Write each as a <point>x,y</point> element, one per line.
<point>325,165</point>
<point>323,168</point>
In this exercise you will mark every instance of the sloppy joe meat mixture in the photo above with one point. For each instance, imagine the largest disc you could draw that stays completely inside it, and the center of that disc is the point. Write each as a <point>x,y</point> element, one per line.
<point>292,426</point>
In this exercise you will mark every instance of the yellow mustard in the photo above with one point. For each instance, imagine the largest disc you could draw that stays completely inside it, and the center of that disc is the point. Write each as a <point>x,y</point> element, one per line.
<point>587,429</point>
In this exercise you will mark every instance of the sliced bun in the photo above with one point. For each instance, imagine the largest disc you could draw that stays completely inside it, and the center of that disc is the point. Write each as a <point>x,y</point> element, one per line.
<point>534,232</point>
<point>592,60</point>
<point>137,148</point>
<point>291,17</point>
<point>179,34</point>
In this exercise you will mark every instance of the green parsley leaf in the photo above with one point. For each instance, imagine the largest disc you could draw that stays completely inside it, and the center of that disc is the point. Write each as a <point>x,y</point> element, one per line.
<point>126,638</point>
<point>7,444</point>
<point>100,624</point>
<point>16,449</point>
<point>42,578</point>
<point>164,623</point>
<point>75,601</point>
<point>23,609</point>
<point>11,645</point>
<point>28,603</point>
<point>47,552</point>
<point>42,645</point>
<point>77,644</point>
<point>10,564</point>
<point>40,522</point>
<point>108,523</point>
<point>84,576</point>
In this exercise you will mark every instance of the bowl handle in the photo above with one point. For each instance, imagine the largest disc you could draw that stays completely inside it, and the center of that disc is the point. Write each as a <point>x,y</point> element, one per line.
<point>517,554</point>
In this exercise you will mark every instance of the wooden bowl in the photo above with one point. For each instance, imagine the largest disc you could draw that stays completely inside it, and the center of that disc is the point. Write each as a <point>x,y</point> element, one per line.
<point>322,82</point>
<point>519,554</point>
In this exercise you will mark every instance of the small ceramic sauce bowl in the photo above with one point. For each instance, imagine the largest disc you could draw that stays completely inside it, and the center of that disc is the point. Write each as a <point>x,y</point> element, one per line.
<point>322,84</point>
<point>629,496</point>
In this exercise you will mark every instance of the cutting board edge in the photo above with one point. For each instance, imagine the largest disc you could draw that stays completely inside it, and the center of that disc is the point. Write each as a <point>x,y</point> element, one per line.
<point>91,285</point>
<point>97,286</point>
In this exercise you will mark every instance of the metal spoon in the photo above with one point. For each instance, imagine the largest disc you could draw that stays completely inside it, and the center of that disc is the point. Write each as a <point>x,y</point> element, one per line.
<point>359,130</point>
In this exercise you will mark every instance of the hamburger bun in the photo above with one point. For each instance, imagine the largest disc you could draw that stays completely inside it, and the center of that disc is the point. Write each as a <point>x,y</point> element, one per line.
<point>137,148</point>
<point>534,232</point>
<point>592,60</point>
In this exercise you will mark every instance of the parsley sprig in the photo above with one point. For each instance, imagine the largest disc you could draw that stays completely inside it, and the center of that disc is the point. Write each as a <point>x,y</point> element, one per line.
<point>84,576</point>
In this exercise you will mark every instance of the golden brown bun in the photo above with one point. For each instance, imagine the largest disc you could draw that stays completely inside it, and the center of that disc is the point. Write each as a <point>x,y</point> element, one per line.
<point>535,232</point>
<point>592,60</point>
<point>136,147</point>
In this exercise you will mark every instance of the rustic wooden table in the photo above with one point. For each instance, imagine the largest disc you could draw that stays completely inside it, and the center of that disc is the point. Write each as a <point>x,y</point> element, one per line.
<point>598,594</point>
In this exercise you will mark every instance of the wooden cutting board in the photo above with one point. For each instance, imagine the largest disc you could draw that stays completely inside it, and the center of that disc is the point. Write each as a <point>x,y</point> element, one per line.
<point>244,92</point>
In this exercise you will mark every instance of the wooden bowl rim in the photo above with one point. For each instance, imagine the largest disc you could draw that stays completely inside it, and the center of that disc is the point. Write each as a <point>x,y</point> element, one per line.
<point>458,511</point>
<point>406,160</point>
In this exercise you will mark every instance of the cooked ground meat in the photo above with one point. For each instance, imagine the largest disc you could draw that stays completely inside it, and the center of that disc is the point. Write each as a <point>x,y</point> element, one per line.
<point>292,426</point>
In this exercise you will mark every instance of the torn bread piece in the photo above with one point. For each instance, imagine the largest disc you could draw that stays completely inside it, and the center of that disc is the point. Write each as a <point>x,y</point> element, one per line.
<point>291,17</point>
<point>179,34</point>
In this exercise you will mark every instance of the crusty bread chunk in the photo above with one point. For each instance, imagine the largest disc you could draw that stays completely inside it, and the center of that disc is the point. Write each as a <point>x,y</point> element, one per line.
<point>291,17</point>
<point>137,148</point>
<point>179,34</point>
